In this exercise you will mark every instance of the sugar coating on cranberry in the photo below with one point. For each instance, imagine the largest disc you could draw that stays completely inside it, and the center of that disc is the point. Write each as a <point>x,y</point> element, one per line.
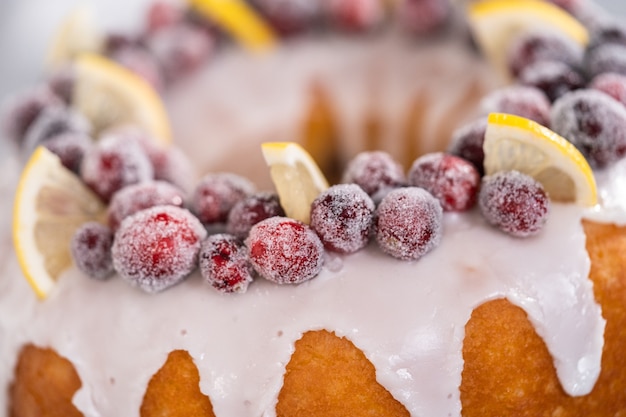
<point>141,62</point>
<point>606,58</point>
<point>62,82</point>
<point>514,202</point>
<point>91,250</point>
<point>452,180</point>
<point>172,165</point>
<point>409,223</point>
<point>542,45</point>
<point>180,49</point>
<point>21,110</point>
<point>136,197</point>
<point>552,77</point>
<point>114,163</point>
<point>156,248</point>
<point>355,15</point>
<point>251,210</point>
<point>225,264</point>
<point>612,84</point>
<point>53,121</point>
<point>467,142</point>
<point>70,147</point>
<point>290,17</point>
<point>342,217</point>
<point>162,14</point>
<point>375,172</point>
<point>608,31</point>
<point>521,100</point>
<point>285,251</point>
<point>424,17</point>
<point>594,122</point>
<point>216,194</point>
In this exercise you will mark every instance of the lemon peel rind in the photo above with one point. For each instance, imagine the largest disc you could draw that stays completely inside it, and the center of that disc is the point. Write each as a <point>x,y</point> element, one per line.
<point>147,108</point>
<point>526,131</point>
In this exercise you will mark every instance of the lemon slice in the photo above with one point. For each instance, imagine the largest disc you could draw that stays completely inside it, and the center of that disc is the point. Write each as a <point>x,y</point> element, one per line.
<point>296,176</point>
<point>50,204</point>
<point>517,143</point>
<point>496,22</point>
<point>109,95</point>
<point>77,34</point>
<point>238,19</point>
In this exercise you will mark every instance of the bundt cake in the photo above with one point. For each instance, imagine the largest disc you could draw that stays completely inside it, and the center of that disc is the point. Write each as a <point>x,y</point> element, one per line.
<point>456,256</point>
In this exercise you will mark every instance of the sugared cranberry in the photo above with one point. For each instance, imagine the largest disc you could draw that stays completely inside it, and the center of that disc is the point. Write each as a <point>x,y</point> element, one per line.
<point>289,17</point>
<point>424,17</point>
<point>594,122</point>
<point>61,83</point>
<point>467,143</point>
<point>156,248</point>
<point>342,217</point>
<point>285,251</point>
<point>136,197</point>
<point>113,164</point>
<point>514,202</point>
<point>606,58</point>
<point>224,263</point>
<point>70,147</point>
<point>376,172</point>
<point>409,223</point>
<point>525,101</point>
<point>116,41</point>
<point>355,15</point>
<point>91,250</point>
<point>612,84</point>
<point>251,210</point>
<point>20,111</point>
<point>138,60</point>
<point>51,122</point>
<point>552,77</point>
<point>545,45</point>
<point>608,31</point>
<point>216,194</point>
<point>163,14</point>
<point>172,165</point>
<point>180,49</point>
<point>452,180</point>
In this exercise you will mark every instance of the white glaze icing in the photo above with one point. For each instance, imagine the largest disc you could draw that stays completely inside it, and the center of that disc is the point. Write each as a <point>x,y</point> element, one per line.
<point>407,317</point>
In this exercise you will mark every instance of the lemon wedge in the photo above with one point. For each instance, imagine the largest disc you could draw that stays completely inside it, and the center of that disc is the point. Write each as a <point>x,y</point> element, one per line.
<point>50,204</point>
<point>238,19</point>
<point>516,143</point>
<point>77,34</point>
<point>108,94</point>
<point>495,23</point>
<point>296,176</point>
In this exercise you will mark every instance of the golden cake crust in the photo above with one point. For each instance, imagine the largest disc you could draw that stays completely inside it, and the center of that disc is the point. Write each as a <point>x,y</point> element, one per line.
<point>508,370</point>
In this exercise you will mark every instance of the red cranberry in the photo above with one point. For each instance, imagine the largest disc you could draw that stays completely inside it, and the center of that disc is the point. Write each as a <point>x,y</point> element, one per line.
<point>356,15</point>
<point>409,223</point>
<point>612,84</point>
<point>138,60</point>
<point>552,77</point>
<point>594,123</point>
<point>70,147</point>
<point>342,217</point>
<point>163,14</point>
<point>608,31</point>
<point>20,111</point>
<point>376,172</point>
<point>545,45</point>
<point>514,202</point>
<point>224,263</point>
<point>61,83</point>
<point>452,180</point>
<point>51,122</point>
<point>172,165</point>
<point>156,248</point>
<point>467,143</point>
<point>180,49</point>
<point>113,164</point>
<point>607,58</point>
<point>136,197</point>
<point>91,250</point>
<point>424,17</point>
<point>528,102</point>
<point>290,17</point>
<point>251,210</point>
<point>285,251</point>
<point>216,194</point>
